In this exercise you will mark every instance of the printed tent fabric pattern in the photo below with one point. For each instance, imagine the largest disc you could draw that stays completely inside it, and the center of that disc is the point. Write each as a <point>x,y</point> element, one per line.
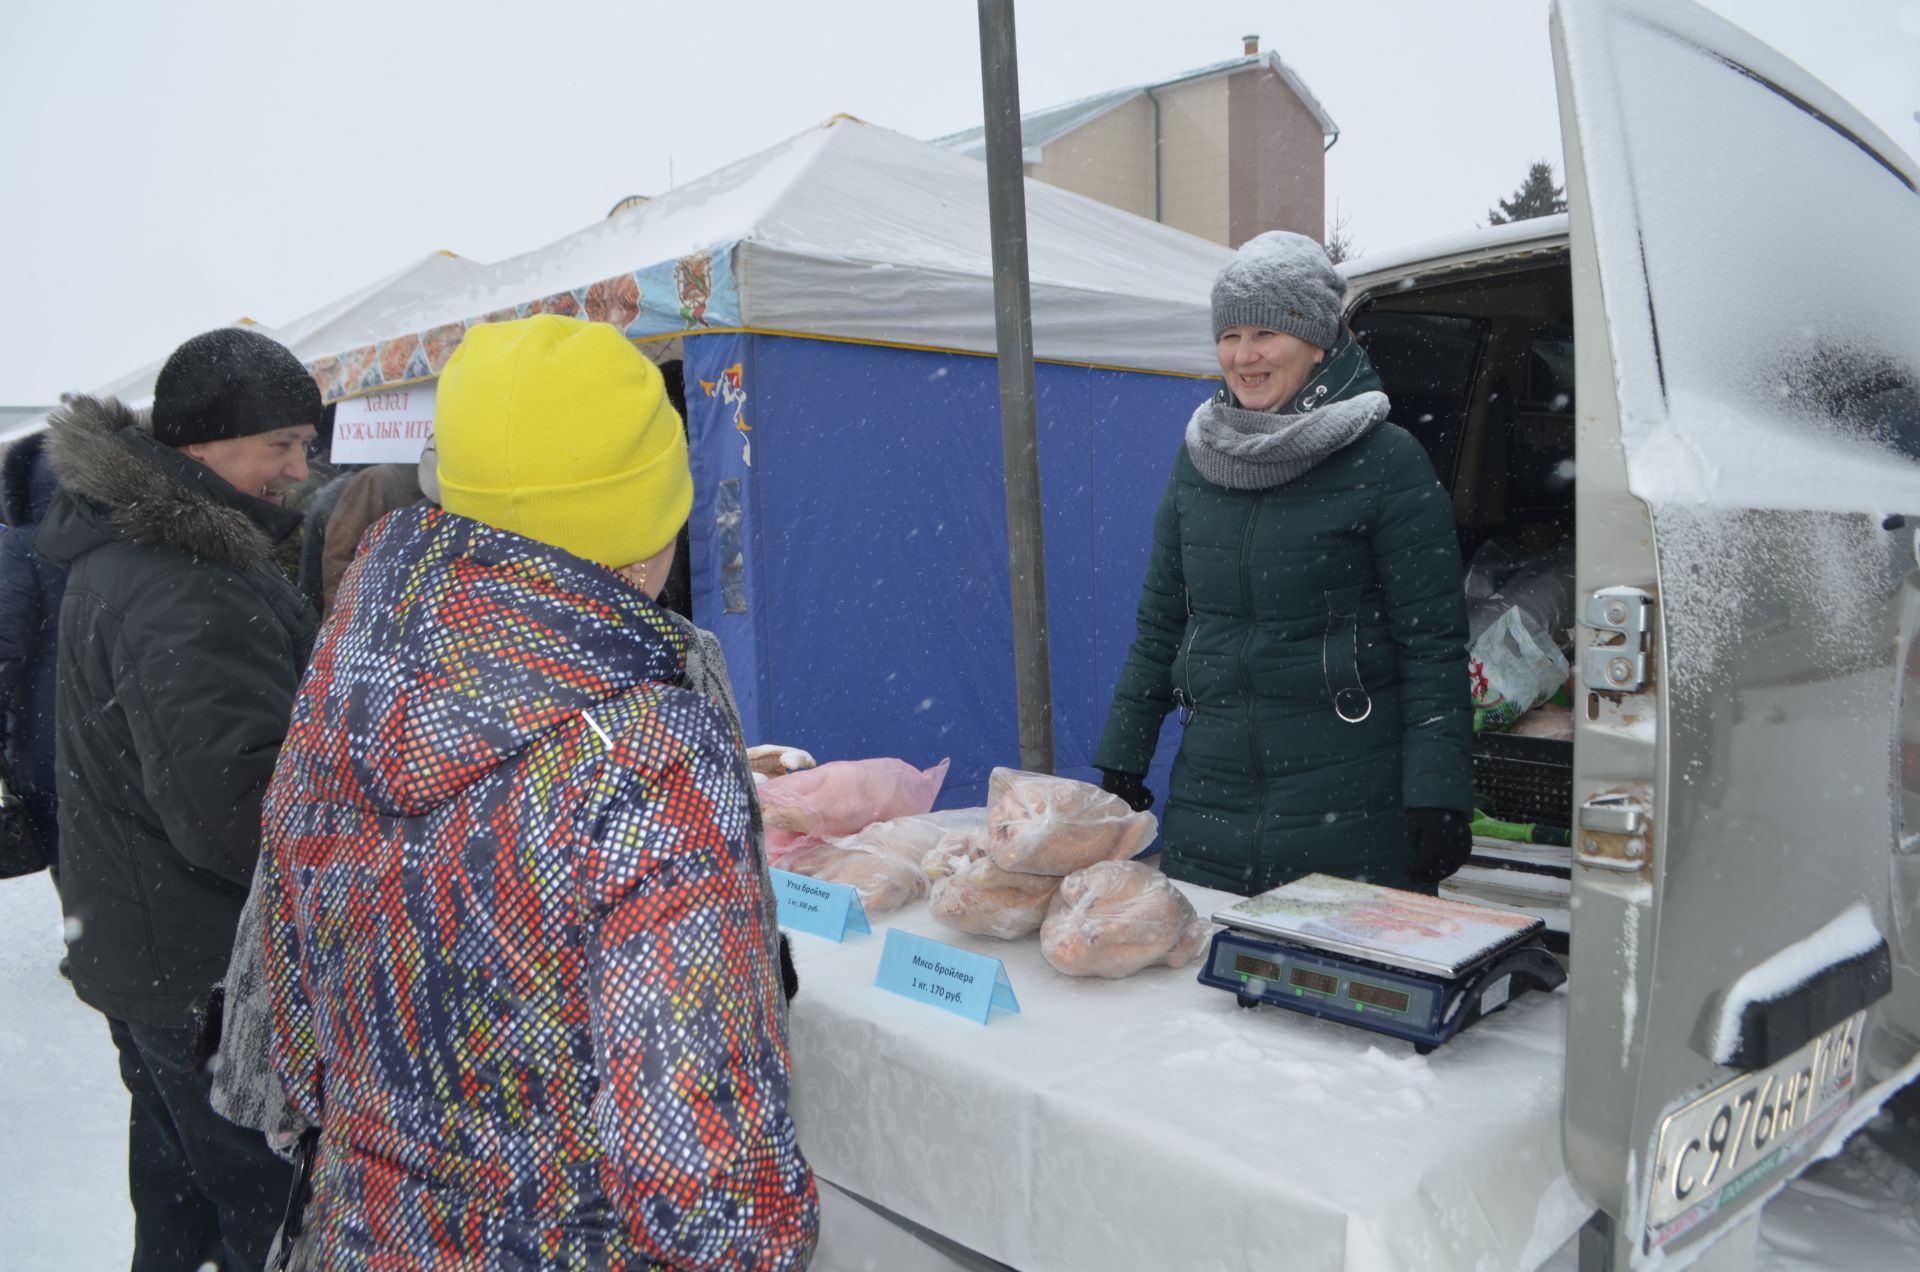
<point>521,969</point>
<point>766,243</point>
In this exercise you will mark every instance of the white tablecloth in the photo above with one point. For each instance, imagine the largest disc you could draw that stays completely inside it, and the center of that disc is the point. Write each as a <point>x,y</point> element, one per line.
<point>1152,1123</point>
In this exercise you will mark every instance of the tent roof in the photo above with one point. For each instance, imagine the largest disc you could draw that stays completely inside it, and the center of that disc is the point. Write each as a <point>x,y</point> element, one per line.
<point>1039,127</point>
<point>346,321</point>
<point>849,231</point>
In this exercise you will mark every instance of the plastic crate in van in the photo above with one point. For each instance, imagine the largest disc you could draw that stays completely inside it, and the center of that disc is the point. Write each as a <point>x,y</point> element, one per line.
<point>1523,779</point>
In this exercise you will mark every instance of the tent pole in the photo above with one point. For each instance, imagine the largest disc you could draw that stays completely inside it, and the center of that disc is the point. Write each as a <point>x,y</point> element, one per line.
<point>1019,436</point>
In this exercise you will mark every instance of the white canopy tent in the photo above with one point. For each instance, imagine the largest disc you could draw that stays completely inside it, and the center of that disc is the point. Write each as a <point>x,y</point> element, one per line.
<point>845,231</point>
<point>347,321</point>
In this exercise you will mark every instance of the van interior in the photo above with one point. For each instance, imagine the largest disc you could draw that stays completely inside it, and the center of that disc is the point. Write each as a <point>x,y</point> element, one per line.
<point>1479,368</point>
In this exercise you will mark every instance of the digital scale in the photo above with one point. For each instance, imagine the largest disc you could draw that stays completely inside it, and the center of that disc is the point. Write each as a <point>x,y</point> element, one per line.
<point>1399,963</point>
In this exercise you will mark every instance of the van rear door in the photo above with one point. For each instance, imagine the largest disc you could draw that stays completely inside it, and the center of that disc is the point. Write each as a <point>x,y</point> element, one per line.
<point>1746,896</point>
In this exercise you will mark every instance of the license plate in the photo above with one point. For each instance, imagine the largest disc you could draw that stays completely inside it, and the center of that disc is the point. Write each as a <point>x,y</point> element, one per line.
<point>1742,1134</point>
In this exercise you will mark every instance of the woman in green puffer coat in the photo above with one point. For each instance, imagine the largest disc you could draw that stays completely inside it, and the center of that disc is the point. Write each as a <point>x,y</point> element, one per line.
<point>1303,608</point>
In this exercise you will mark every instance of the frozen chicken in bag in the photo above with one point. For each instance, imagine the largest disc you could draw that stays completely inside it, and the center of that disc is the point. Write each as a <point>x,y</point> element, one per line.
<point>981,898</point>
<point>1055,825</point>
<point>955,849</point>
<point>1116,917</point>
<point>884,881</point>
<point>912,838</point>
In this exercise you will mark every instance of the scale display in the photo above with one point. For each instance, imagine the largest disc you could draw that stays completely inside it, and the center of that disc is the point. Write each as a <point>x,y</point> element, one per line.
<point>1374,996</point>
<point>1396,963</point>
<point>1301,978</point>
<point>1252,966</point>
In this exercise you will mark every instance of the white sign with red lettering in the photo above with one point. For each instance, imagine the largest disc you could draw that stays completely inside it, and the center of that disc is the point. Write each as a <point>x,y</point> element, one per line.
<point>389,426</point>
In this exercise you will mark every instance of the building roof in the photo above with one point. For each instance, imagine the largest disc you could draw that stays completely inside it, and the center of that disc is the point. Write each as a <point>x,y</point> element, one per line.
<point>1039,127</point>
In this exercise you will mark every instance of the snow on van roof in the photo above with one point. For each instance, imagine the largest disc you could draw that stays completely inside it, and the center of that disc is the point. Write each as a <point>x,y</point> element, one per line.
<point>1446,249</point>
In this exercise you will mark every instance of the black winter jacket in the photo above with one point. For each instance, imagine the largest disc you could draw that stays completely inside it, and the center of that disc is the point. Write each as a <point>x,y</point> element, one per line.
<point>181,645</point>
<point>29,614</point>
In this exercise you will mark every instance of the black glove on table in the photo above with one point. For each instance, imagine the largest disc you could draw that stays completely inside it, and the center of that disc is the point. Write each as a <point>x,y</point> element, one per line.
<point>1441,840</point>
<point>1128,786</point>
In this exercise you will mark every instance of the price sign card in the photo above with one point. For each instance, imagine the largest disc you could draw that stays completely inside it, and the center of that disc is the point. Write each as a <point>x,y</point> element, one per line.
<point>815,906</point>
<point>962,982</point>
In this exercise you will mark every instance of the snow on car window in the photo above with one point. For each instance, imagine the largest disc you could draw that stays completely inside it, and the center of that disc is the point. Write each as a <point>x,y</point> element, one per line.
<point>1781,262</point>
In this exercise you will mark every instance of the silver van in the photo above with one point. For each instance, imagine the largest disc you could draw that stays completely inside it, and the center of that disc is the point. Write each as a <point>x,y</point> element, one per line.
<point>1707,376</point>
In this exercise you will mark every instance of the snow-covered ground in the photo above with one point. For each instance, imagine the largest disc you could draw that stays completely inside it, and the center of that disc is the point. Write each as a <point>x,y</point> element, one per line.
<point>63,1138</point>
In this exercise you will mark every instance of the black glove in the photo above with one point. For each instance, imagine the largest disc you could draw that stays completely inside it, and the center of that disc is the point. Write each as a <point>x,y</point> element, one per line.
<point>789,978</point>
<point>1128,786</point>
<point>1441,840</point>
<point>209,1017</point>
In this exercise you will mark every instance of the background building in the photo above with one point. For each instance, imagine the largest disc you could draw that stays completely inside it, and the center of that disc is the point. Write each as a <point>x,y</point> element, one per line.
<point>1225,152</point>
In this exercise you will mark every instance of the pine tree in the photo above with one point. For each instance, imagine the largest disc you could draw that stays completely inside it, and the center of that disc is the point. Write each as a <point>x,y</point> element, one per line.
<point>1537,196</point>
<point>1340,244</point>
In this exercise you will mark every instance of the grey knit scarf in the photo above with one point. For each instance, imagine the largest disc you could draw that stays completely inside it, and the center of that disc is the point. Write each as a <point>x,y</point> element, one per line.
<point>1257,450</point>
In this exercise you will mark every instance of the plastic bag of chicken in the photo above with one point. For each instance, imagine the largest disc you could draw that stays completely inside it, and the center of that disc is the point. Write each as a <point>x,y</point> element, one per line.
<point>955,849</point>
<point>912,838</point>
<point>1115,917</point>
<point>1055,825</point>
<point>981,898</point>
<point>885,882</point>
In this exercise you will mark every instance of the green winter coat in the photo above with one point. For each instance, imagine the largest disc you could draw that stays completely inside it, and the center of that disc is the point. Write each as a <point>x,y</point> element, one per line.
<point>1258,607</point>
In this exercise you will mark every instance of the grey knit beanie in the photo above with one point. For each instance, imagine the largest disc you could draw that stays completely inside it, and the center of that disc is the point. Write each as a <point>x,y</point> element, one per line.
<point>1284,282</point>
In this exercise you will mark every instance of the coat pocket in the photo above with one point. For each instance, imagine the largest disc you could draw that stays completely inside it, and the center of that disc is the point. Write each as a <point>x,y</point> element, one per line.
<point>1183,669</point>
<point>1340,655</point>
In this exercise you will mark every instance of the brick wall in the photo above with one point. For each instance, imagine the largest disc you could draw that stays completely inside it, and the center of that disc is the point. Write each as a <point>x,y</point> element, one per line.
<point>1279,167</point>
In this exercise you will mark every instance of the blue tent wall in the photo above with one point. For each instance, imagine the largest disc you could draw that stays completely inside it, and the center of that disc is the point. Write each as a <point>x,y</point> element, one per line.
<point>1141,427</point>
<point>874,535</point>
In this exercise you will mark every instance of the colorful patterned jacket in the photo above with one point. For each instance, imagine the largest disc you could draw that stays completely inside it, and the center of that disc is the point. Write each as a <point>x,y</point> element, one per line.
<point>522,971</point>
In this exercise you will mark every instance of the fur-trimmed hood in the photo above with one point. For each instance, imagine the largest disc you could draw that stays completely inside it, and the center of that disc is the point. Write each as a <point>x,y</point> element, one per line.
<point>117,482</point>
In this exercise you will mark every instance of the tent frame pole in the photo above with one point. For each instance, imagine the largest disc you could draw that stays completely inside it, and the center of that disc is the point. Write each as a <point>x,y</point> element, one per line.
<point>1019,435</point>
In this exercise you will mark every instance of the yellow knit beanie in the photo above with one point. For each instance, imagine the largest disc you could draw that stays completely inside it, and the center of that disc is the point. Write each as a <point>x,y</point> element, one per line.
<point>561,431</point>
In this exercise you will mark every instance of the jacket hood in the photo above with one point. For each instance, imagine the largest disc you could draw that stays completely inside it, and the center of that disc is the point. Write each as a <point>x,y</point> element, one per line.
<point>116,482</point>
<point>454,646</point>
<point>26,482</point>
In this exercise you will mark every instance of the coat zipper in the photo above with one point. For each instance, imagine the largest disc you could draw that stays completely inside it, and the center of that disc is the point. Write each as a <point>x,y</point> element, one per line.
<point>1246,684</point>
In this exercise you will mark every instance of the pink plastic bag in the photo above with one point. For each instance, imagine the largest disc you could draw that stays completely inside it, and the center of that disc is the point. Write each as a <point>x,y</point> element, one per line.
<point>803,808</point>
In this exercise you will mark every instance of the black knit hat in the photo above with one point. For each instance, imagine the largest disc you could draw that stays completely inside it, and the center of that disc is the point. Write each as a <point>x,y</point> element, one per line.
<point>231,383</point>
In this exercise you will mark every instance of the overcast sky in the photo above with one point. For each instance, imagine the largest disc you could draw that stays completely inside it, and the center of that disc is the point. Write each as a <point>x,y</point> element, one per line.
<point>170,167</point>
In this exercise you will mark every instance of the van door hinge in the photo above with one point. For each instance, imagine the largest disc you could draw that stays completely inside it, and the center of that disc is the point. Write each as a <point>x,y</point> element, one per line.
<point>1615,833</point>
<point>1620,659</point>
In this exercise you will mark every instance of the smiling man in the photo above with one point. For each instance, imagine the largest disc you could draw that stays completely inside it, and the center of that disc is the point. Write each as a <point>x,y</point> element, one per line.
<point>180,646</point>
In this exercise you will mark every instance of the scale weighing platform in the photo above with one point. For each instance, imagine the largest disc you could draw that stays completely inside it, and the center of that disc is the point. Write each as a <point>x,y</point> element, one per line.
<point>1399,963</point>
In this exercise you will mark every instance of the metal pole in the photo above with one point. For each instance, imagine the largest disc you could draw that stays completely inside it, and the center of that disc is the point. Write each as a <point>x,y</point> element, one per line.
<point>1019,438</point>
